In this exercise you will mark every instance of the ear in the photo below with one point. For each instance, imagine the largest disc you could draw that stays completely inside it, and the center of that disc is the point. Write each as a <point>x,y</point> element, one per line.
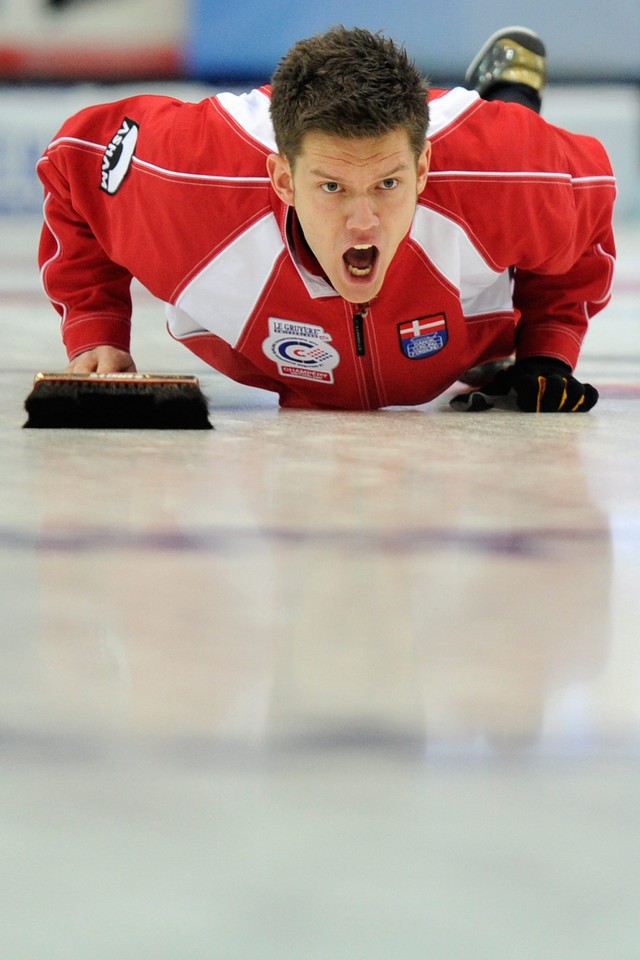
<point>281,177</point>
<point>424,162</point>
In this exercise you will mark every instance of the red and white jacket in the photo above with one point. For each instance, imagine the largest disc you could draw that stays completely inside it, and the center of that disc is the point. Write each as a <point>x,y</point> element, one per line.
<point>511,248</point>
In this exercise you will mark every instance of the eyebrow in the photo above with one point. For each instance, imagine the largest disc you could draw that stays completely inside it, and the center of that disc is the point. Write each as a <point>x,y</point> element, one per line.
<point>385,176</point>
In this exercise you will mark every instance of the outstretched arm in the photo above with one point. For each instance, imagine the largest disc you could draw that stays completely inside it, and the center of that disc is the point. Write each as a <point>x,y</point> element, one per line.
<point>88,289</point>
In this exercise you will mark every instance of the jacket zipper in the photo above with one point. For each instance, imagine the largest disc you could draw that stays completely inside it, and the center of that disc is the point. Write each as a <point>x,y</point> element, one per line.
<point>359,318</point>
<point>358,329</point>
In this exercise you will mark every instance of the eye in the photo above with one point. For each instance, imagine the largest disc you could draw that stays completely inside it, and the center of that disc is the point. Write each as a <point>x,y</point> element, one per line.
<point>389,183</point>
<point>331,187</point>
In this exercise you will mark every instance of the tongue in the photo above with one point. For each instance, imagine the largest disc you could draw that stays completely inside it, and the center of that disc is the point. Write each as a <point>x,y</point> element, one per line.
<point>359,258</point>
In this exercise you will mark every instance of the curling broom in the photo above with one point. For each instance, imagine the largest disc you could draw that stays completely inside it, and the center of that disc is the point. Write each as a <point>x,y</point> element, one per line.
<point>117,400</point>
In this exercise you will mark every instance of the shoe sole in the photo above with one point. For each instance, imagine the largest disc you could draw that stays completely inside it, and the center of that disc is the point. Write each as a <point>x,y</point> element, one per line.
<point>498,35</point>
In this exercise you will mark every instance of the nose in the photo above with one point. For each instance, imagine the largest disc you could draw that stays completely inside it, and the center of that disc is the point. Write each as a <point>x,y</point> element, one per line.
<point>362,215</point>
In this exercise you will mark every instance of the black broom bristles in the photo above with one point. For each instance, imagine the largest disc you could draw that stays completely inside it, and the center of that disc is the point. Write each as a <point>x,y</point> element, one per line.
<point>117,401</point>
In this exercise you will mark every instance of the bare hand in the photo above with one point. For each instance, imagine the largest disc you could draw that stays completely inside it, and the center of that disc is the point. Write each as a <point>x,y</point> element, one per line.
<point>102,360</point>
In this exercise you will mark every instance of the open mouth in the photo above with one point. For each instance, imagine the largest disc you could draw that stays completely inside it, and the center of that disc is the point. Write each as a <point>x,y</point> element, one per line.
<point>361,259</point>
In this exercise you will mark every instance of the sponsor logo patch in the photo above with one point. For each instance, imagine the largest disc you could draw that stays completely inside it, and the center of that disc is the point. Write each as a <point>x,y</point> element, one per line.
<point>301,350</point>
<point>423,337</point>
<point>118,156</point>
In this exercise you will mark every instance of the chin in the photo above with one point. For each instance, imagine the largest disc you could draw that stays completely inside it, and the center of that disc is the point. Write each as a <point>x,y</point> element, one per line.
<point>366,295</point>
<point>362,290</point>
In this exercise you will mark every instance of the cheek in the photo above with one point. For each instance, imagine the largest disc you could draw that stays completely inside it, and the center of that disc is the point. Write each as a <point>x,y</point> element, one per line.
<point>318,224</point>
<point>403,214</point>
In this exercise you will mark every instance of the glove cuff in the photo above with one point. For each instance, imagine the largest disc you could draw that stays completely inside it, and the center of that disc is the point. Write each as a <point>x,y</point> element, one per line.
<point>542,366</point>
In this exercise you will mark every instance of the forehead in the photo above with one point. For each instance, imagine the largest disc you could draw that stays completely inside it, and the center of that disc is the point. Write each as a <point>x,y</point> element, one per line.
<point>322,149</point>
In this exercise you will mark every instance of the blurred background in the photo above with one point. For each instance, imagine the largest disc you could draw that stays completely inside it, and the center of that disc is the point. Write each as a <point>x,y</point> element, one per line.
<point>59,55</point>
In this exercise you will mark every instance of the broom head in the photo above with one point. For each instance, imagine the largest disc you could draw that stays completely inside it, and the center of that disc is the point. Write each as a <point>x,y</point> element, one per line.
<point>117,400</point>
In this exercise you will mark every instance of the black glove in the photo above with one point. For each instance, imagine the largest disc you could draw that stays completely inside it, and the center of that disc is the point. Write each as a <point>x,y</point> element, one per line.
<point>535,385</point>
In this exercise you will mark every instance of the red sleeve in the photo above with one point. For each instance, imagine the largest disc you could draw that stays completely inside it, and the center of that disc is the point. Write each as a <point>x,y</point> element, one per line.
<point>90,292</point>
<point>536,200</point>
<point>557,298</point>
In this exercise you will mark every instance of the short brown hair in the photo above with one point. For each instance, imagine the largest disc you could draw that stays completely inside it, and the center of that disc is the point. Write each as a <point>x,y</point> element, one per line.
<point>347,83</point>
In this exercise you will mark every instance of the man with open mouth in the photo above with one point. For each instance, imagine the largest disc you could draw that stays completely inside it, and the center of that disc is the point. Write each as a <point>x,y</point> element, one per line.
<point>344,236</point>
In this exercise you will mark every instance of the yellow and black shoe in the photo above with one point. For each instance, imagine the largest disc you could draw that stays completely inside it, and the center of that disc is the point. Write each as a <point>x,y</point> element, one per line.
<point>514,55</point>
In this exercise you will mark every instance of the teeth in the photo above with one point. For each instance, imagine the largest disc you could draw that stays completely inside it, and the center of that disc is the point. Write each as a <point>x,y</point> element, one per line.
<point>367,268</point>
